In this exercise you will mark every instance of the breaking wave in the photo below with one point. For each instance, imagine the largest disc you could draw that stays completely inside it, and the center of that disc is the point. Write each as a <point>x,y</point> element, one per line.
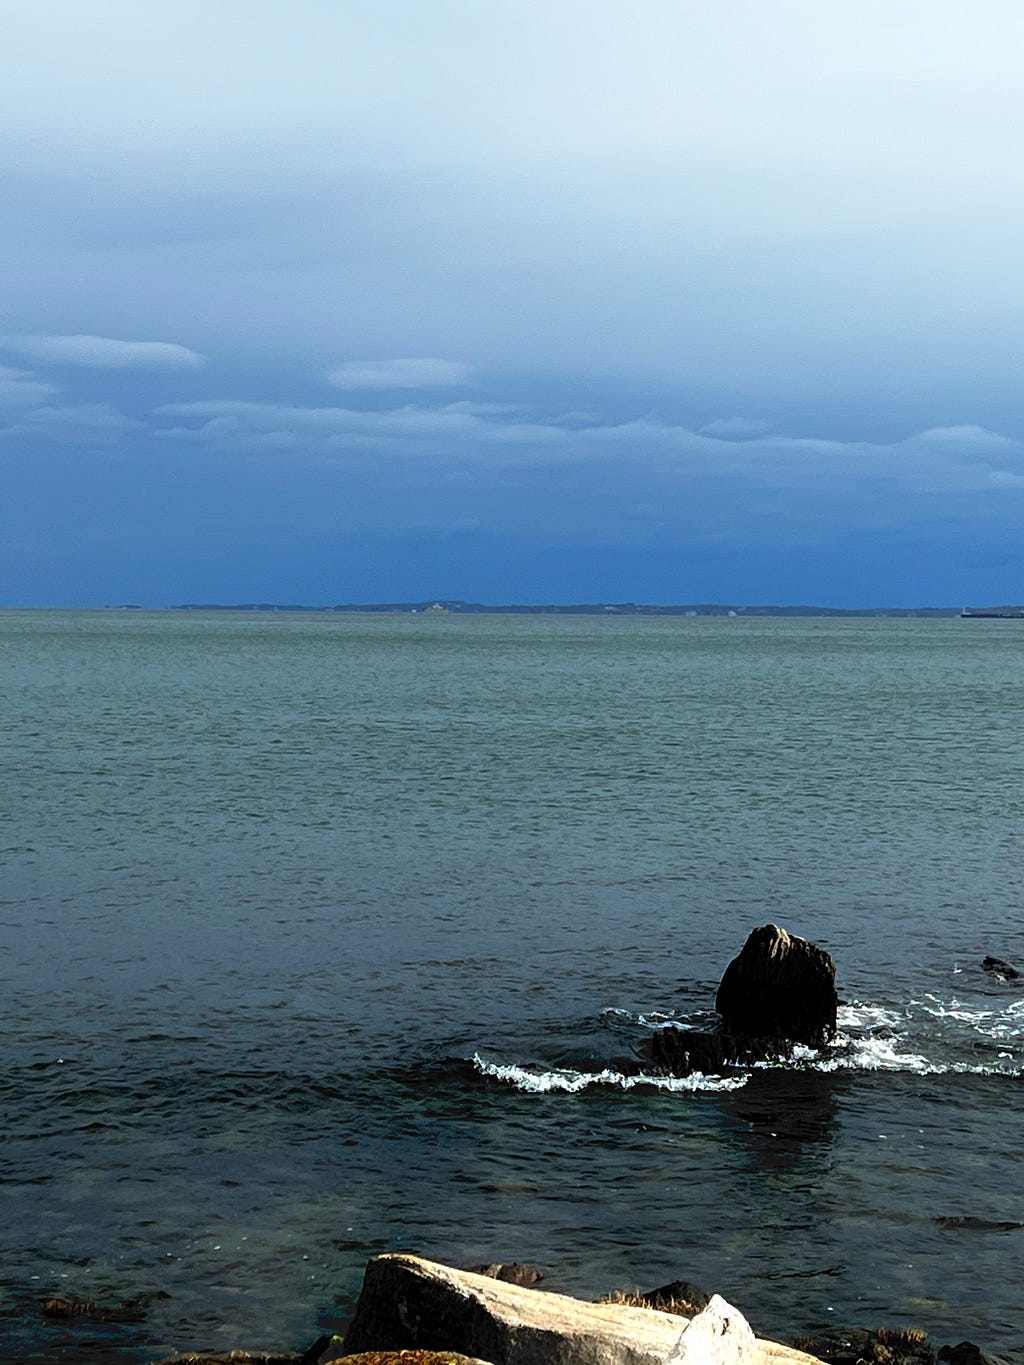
<point>928,1037</point>
<point>539,1080</point>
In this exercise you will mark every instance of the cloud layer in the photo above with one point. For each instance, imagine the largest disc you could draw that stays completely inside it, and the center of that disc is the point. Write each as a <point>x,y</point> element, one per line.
<point>702,278</point>
<point>103,353</point>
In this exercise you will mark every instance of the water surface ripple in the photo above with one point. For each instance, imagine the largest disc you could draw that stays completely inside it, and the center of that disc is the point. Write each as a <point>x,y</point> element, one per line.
<point>324,935</point>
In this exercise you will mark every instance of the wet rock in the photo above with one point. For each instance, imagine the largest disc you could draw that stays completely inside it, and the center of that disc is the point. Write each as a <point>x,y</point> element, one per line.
<point>409,1303</point>
<point>513,1273</point>
<point>679,1297</point>
<point>780,990</point>
<point>967,1353</point>
<point>781,987</point>
<point>898,1346</point>
<point>1002,971</point>
<point>887,1346</point>
<point>838,1346</point>
<point>684,1051</point>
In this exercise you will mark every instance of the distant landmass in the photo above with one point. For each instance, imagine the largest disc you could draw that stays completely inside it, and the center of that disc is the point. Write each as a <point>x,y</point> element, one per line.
<point>455,607</point>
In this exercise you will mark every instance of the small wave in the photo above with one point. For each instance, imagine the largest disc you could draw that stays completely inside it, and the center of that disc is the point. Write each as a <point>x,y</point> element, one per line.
<point>652,1019</point>
<point>1007,1022</point>
<point>882,1054</point>
<point>869,1018</point>
<point>540,1080</point>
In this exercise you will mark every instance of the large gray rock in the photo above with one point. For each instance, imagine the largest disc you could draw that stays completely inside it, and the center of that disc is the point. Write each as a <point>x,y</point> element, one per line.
<point>780,986</point>
<point>407,1302</point>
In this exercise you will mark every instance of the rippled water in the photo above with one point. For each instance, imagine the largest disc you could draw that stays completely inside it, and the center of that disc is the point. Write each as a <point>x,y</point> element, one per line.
<point>327,935</point>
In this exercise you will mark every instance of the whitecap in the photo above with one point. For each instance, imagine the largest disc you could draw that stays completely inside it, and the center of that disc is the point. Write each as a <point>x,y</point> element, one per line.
<point>882,1054</point>
<point>858,1015</point>
<point>540,1080</point>
<point>652,1019</point>
<point>1007,1022</point>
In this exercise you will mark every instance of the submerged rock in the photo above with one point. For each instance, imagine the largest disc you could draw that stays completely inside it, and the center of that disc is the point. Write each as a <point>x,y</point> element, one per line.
<point>409,1303</point>
<point>72,1307</point>
<point>1002,971</point>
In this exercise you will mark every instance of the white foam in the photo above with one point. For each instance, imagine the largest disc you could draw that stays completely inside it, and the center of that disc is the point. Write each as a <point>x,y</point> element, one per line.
<point>882,1054</point>
<point>654,1019</point>
<point>539,1080</point>
<point>857,1015</point>
<point>1007,1022</point>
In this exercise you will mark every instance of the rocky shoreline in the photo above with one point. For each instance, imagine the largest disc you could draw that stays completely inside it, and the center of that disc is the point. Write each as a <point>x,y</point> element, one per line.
<point>777,993</point>
<point>417,1312</point>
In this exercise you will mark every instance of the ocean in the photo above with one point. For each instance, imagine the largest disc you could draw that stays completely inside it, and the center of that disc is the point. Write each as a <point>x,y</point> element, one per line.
<point>324,935</point>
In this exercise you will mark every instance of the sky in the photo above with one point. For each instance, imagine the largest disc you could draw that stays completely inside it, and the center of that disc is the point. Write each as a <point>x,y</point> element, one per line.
<point>512,301</point>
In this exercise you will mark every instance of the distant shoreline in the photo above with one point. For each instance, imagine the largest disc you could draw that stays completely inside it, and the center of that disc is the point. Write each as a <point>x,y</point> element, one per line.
<point>453,607</point>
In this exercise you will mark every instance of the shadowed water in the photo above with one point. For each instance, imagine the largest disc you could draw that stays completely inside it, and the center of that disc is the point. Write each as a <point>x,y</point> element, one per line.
<point>326,935</point>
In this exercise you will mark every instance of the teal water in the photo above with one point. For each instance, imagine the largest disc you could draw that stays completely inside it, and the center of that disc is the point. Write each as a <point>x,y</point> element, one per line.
<point>324,935</point>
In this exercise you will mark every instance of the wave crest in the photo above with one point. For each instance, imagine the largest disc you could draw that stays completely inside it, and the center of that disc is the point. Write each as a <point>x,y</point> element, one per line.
<point>539,1080</point>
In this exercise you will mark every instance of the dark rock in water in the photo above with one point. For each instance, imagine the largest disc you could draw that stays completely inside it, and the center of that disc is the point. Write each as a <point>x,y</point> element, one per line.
<point>683,1051</point>
<point>887,1346</point>
<point>678,1297</point>
<point>779,987</point>
<point>837,1346</point>
<point>526,1276</point>
<point>780,990</point>
<point>967,1353</point>
<point>1002,971</point>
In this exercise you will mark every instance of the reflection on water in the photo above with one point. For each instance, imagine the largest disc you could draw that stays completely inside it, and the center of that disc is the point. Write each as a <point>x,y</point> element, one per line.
<point>785,1120</point>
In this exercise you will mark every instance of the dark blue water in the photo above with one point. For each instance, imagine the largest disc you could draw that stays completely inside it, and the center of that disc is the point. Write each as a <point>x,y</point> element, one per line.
<point>328,935</point>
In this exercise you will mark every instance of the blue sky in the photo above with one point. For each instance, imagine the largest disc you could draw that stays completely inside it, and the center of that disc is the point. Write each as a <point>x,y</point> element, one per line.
<point>683,300</point>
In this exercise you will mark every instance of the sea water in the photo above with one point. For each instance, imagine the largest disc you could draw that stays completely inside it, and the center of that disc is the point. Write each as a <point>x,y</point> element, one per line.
<point>325,935</point>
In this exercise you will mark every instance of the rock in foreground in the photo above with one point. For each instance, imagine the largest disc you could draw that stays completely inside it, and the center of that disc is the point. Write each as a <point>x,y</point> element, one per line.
<point>409,1358</point>
<point>407,1302</point>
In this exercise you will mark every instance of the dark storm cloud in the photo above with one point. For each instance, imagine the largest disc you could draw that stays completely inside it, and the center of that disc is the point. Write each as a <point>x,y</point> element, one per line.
<point>691,282</point>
